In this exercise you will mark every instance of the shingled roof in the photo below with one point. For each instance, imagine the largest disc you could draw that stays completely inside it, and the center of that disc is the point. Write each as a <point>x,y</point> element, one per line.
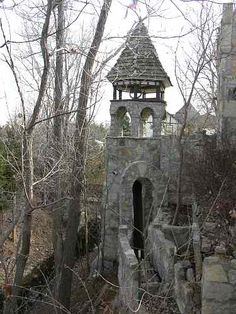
<point>139,60</point>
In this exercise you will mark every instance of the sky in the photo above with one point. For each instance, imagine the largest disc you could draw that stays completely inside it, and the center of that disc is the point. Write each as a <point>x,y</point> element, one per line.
<point>163,27</point>
<point>165,24</point>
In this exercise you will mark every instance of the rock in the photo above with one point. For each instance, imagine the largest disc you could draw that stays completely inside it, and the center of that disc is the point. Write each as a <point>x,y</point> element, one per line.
<point>206,245</point>
<point>222,292</point>
<point>183,289</point>
<point>212,307</point>
<point>233,263</point>
<point>186,264</point>
<point>209,226</point>
<point>215,273</point>
<point>234,254</point>
<point>211,260</point>
<point>232,276</point>
<point>190,275</point>
<point>220,250</point>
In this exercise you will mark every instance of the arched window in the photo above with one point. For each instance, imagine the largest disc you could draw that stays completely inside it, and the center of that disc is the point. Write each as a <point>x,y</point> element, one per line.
<point>123,122</point>
<point>146,123</point>
<point>234,94</point>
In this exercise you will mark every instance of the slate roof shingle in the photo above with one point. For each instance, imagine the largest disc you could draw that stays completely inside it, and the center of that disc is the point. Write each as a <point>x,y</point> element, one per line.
<point>139,60</point>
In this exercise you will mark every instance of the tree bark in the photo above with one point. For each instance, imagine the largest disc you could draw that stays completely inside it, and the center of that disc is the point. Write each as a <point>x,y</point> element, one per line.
<point>78,165</point>
<point>57,147</point>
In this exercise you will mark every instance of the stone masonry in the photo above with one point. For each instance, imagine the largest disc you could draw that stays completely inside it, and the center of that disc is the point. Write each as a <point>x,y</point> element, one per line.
<point>141,173</point>
<point>219,285</point>
<point>128,273</point>
<point>226,97</point>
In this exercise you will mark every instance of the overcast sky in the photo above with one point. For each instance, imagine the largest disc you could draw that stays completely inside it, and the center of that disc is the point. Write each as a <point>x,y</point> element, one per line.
<point>167,23</point>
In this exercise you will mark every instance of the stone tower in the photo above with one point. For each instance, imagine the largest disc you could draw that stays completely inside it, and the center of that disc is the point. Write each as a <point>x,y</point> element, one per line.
<point>227,74</point>
<point>134,184</point>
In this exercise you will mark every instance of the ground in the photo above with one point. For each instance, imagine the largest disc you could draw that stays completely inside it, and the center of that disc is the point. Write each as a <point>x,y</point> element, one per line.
<point>41,244</point>
<point>90,294</point>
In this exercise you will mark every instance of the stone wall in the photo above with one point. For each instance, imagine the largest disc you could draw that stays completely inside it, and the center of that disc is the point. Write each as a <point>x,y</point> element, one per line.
<point>181,236</point>
<point>128,273</point>
<point>132,158</point>
<point>135,108</point>
<point>129,159</point>
<point>219,285</point>
<point>226,101</point>
<point>162,253</point>
<point>183,288</point>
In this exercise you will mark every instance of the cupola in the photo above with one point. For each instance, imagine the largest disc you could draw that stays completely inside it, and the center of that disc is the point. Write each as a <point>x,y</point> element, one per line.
<point>138,72</point>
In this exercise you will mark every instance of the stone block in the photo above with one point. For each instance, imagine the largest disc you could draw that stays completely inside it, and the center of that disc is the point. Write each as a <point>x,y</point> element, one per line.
<point>220,250</point>
<point>211,260</point>
<point>232,276</point>
<point>128,272</point>
<point>215,273</point>
<point>222,292</point>
<point>190,275</point>
<point>183,290</point>
<point>215,308</point>
<point>206,245</point>
<point>163,252</point>
<point>179,235</point>
<point>233,263</point>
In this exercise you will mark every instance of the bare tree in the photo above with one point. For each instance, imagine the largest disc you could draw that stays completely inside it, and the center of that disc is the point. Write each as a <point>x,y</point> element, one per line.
<point>27,160</point>
<point>189,79</point>
<point>77,174</point>
<point>57,142</point>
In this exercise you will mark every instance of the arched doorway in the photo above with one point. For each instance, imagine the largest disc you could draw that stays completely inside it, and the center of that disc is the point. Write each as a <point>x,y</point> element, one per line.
<point>142,210</point>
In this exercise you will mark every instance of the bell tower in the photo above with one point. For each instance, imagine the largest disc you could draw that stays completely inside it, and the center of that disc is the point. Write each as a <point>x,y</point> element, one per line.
<point>134,182</point>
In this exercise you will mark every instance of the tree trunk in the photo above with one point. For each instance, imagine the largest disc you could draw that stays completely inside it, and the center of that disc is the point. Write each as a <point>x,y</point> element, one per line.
<point>180,147</point>
<point>10,305</point>
<point>78,166</point>
<point>24,241</point>
<point>57,147</point>
<point>23,253</point>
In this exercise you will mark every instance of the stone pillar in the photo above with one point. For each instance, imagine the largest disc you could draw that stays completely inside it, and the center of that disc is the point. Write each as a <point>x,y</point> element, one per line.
<point>113,126</point>
<point>156,127</point>
<point>135,121</point>
<point>226,28</point>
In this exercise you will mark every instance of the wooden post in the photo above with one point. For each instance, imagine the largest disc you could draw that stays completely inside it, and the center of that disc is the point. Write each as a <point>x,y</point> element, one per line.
<point>157,92</point>
<point>114,92</point>
<point>120,94</point>
<point>135,91</point>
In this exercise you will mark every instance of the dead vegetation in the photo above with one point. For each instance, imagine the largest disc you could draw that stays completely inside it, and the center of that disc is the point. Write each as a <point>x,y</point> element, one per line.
<point>213,175</point>
<point>41,246</point>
